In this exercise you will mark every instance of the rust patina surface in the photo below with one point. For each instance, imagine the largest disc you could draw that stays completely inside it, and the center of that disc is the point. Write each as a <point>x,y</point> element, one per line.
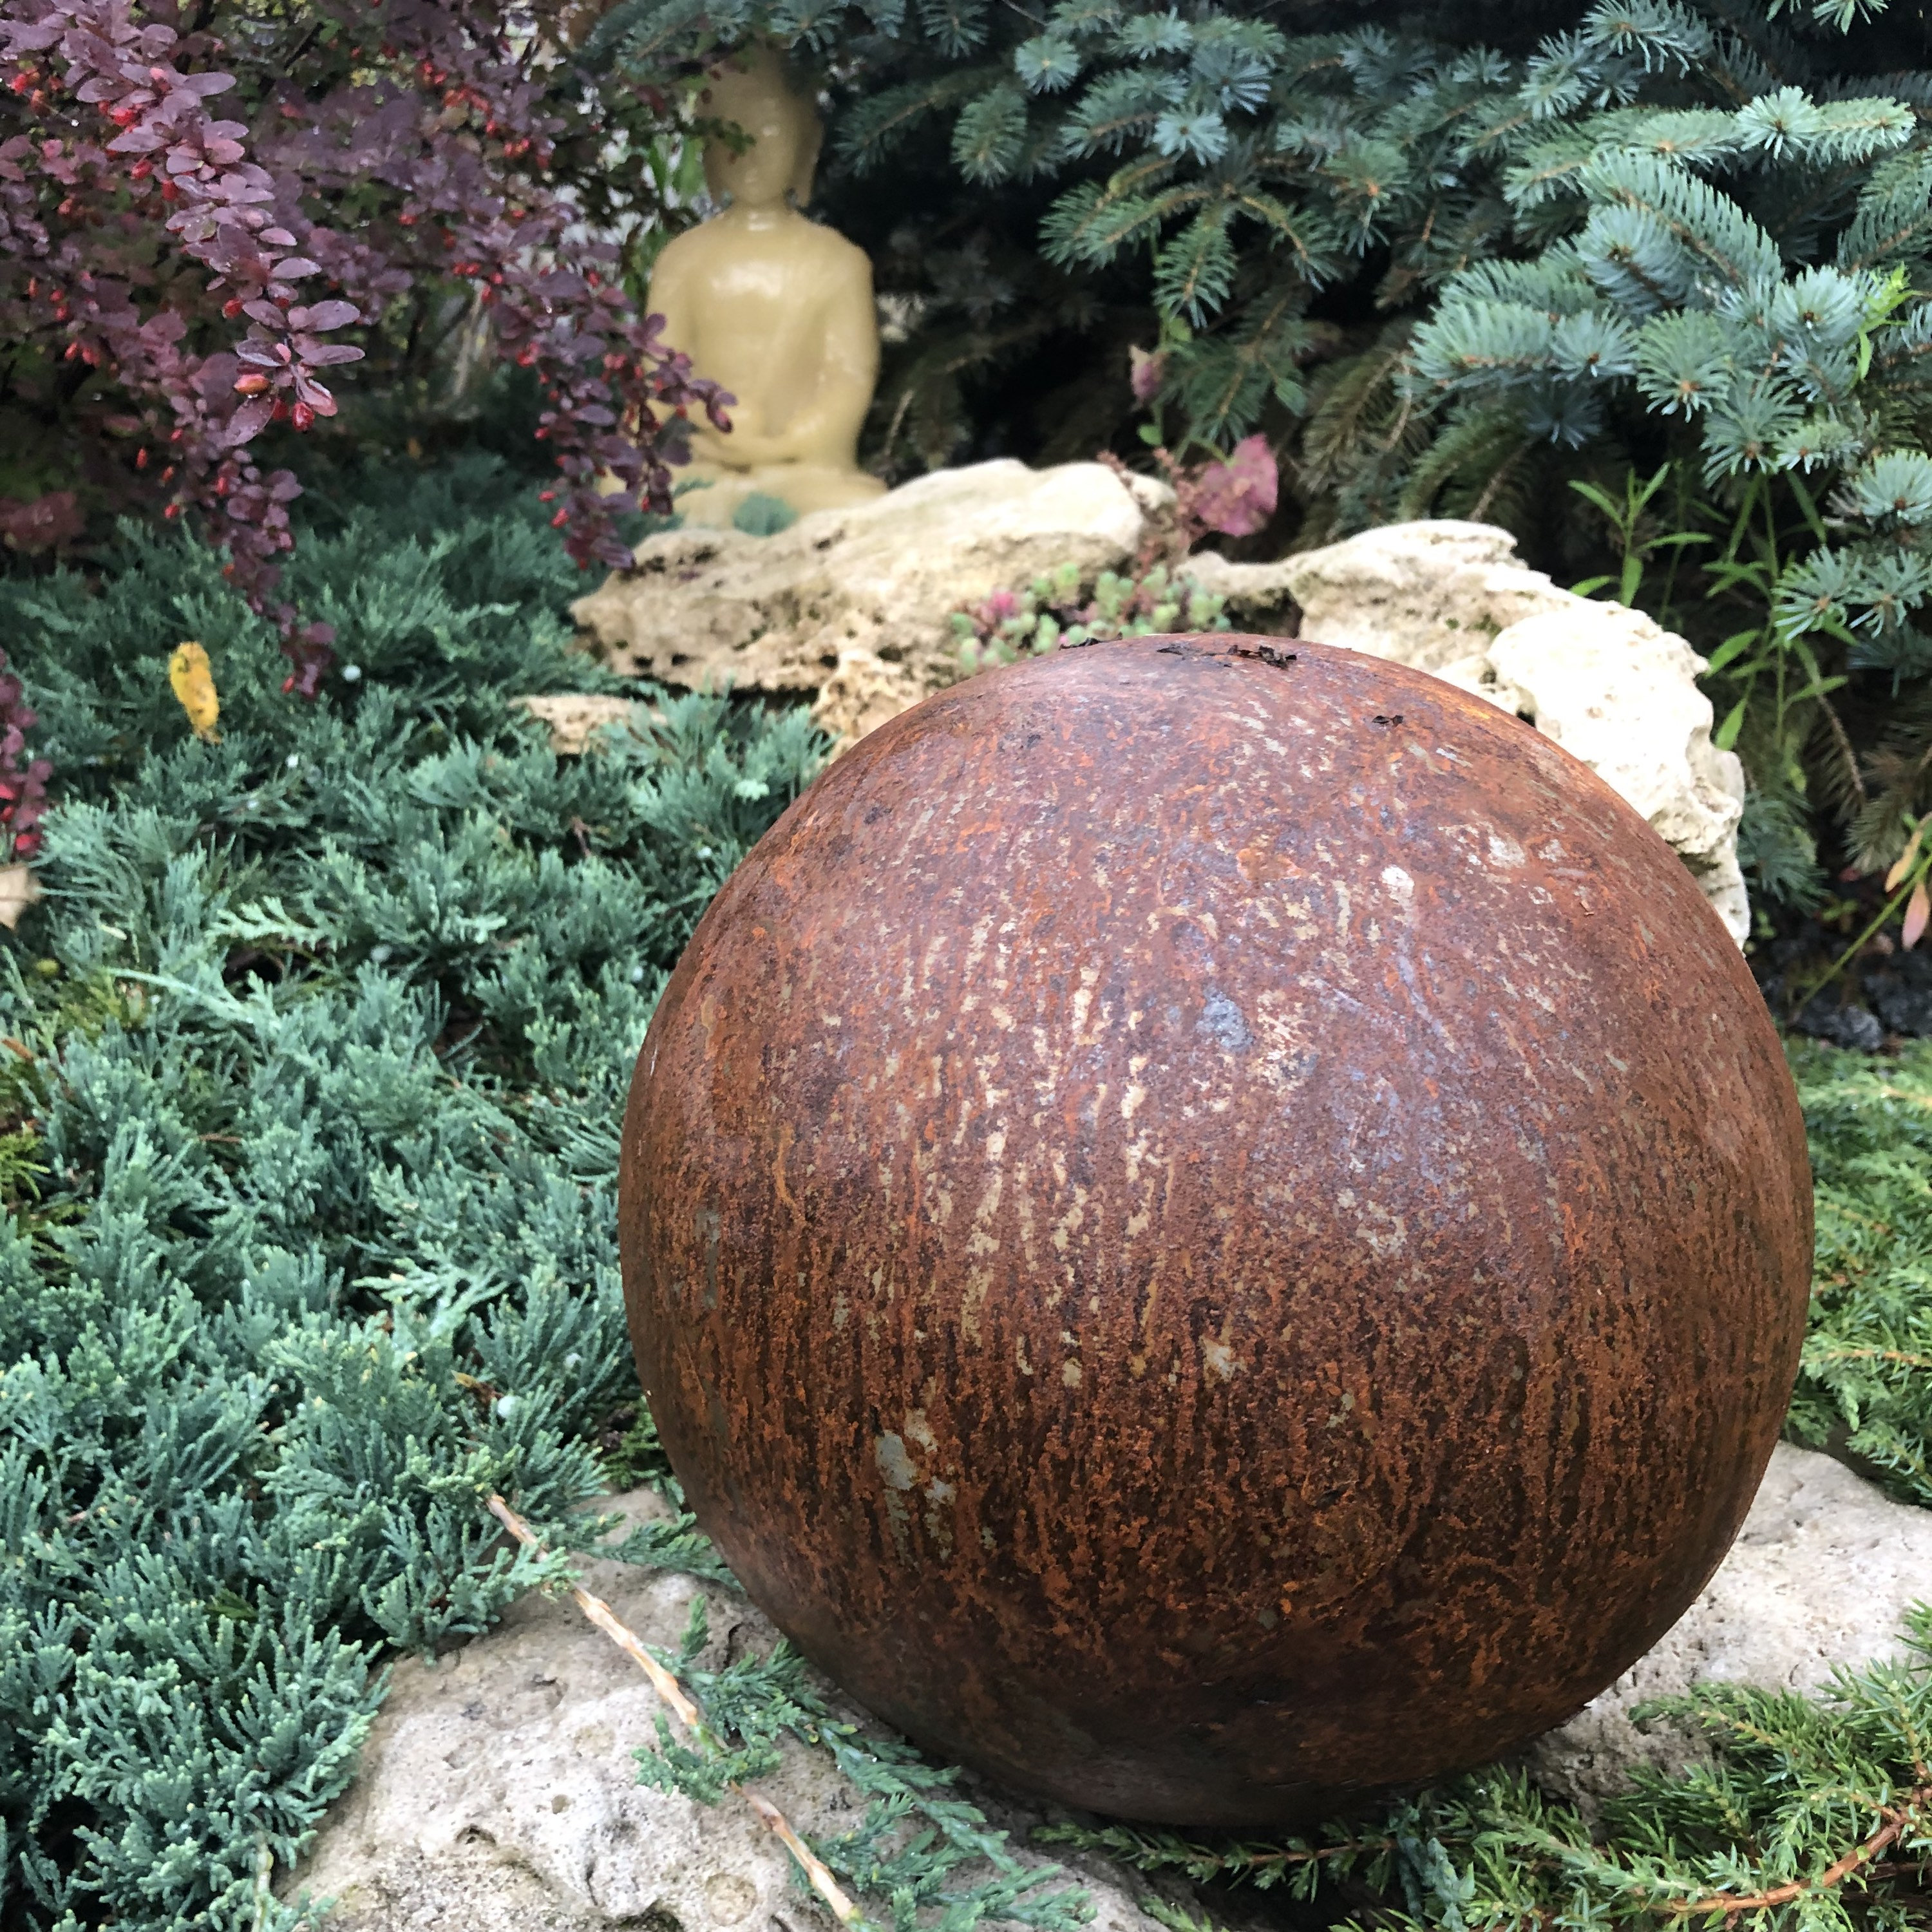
<point>1209,1230</point>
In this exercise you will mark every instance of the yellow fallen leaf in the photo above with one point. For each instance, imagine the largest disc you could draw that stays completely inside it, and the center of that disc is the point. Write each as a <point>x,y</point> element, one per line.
<point>193,682</point>
<point>1896,876</point>
<point>18,888</point>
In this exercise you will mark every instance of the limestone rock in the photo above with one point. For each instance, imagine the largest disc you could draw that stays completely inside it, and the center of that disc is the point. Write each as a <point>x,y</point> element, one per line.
<point>1822,1574</point>
<point>18,889</point>
<point>574,718</point>
<point>851,606</point>
<point>498,1792</point>
<point>1606,682</point>
<point>859,597</point>
<point>1426,594</point>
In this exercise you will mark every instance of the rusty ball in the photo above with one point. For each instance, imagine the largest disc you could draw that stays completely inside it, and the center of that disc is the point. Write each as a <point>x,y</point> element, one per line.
<point>1212,1224</point>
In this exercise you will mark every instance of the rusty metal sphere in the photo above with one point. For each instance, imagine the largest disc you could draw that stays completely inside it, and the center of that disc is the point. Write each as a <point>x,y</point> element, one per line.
<point>1214,1224</point>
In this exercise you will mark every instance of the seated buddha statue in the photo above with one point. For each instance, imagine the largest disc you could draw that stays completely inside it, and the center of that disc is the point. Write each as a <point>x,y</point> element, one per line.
<point>775,308</point>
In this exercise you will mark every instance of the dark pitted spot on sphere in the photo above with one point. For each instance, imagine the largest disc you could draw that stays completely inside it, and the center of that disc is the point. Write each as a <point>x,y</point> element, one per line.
<point>1203,1257</point>
<point>1221,1020</point>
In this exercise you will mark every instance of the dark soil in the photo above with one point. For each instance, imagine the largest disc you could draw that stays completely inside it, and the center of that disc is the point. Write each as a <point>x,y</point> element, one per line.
<point>1881,998</point>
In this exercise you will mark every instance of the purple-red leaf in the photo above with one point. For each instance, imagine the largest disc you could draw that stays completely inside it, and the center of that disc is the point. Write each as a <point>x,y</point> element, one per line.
<point>1237,497</point>
<point>250,420</point>
<point>325,315</point>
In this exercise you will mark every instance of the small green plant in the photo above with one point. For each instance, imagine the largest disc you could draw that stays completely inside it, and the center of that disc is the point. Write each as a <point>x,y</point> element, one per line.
<point>1637,541</point>
<point>1055,611</point>
<point>1789,674</point>
<point>759,515</point>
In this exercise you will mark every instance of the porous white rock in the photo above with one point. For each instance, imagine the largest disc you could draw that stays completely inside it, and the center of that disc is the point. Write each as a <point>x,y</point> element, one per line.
<point>1606,682</point>
<point>1822,1574</point>
<point>497,1790</point>
<point>575,719</point>
<point>854,604</point>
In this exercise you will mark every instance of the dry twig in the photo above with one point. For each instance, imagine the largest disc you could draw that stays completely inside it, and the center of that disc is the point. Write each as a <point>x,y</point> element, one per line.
<point>673,1693</point>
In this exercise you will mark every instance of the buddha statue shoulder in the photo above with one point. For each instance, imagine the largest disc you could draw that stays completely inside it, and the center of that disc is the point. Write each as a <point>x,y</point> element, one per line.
<point>774,307</point>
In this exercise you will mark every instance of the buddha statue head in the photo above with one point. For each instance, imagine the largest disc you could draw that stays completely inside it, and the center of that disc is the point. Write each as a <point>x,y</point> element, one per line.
<point>755,92</point>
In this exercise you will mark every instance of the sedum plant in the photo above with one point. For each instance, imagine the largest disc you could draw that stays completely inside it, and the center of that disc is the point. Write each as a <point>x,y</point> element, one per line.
<point>1055,611</point>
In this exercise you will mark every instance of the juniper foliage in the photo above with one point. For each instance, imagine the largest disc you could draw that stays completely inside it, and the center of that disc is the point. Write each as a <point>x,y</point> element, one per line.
<point>310,1071</point>
<point>315,1058</point>
<point>921,1849</point>
<point>1867,1378</point>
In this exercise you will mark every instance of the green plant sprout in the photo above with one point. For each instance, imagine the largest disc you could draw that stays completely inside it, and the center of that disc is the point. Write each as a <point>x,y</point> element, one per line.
<point>1635,549</point>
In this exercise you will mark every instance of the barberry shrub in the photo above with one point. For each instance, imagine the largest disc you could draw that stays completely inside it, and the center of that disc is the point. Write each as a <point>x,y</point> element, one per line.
<point>197,210</point>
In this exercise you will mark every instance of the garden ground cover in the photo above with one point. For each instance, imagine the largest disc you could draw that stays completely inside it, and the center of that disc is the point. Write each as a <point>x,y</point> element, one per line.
<point>311,1069</point>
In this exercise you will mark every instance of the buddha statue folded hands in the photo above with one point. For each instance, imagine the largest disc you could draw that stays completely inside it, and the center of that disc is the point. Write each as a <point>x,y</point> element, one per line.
<point>775,308</point>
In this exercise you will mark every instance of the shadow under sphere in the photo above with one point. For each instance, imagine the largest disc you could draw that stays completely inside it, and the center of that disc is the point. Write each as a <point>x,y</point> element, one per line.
<point>1209,1231</point>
